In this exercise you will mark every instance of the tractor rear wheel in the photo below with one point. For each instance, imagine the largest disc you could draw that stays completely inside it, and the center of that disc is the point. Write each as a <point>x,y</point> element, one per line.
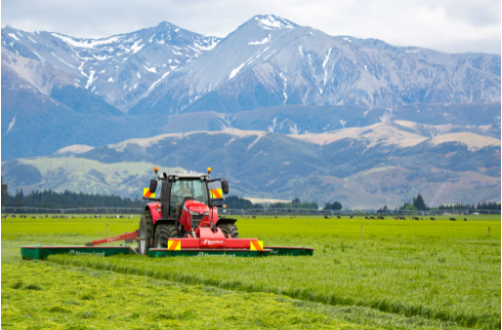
<point>145,233</point>
<point>162,234</point>
<point>229,229</point>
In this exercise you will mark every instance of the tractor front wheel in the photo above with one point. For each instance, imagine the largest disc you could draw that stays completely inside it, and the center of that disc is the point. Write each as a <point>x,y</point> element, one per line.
<point>145,233</point>
<point>229,229</point>
<point>162,235</point>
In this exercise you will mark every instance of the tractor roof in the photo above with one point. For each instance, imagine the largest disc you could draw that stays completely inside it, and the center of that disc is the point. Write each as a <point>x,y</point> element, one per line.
<point>188,175</point>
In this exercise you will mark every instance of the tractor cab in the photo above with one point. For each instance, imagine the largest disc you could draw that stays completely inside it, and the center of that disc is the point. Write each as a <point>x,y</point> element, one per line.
<point>186,205</point>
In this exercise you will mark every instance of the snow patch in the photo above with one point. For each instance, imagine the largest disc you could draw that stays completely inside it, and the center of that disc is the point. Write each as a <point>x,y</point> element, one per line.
<point>101,58</point>
<point>271,128</point>
<point>32,40</point>
<point>62,60</point>
<point>285,86</point>
<point>136,47</point>
<point>110,79</point>
<point>226,122</point>
<point>152,69</point>
<point>343,122</point>
<point>137,74</point>
<point>13,121</point>
<point>324,66</point>
<point>12,35</point>
<point>294,130</point>
<point>74,149</point>
<point>264,41</point>
<point>271,22</point>
<point>39,57</point>
<point>235,71</point>
<point>163,76</point>
<point>91,79</point>
<point>87,43</point>
<point>207,44</point>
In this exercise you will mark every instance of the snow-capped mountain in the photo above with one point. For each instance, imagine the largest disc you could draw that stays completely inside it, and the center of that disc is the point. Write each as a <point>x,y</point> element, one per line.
<point>272,61</point>
<point>267,61</point>
<point>120,68</point>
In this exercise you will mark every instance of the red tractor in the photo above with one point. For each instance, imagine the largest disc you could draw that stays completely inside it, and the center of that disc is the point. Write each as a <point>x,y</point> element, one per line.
<point>185,209</point>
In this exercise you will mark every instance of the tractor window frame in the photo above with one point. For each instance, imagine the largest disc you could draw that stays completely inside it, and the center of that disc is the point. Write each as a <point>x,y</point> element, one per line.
<point>177,208</point>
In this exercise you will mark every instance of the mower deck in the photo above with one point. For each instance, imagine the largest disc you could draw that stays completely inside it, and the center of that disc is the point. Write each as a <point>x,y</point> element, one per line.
<point>42,252</point>
<point>177,247</point>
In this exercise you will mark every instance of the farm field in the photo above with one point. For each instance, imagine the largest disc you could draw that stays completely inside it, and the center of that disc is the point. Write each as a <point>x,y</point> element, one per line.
<point>399,275</point>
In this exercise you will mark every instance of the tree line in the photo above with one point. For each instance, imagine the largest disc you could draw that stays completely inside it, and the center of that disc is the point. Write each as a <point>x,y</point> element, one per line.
<point>236,202</point>
<point>418,204</point>
<point>66,199</point>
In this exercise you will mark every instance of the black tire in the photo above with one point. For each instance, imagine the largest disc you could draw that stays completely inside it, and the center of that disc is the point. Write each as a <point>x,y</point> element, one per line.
<point>145,231</point>
<point>229,229</point>
<point>162,235</point>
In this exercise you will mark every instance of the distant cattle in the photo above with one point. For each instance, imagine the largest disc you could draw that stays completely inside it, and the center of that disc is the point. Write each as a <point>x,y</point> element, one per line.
<point>366,217</point>
<point>338,217</point>
<point>381,218</point>
<point>351,216</point>
<point>432,218</point>
<point>326,217</point>
<point>453,219</point>
<point>465,219</point>
<point>372,218</point>
<point>416,218</point>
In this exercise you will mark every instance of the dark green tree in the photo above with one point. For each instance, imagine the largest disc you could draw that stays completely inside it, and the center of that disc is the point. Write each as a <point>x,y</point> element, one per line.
<point>419,203</point>
<point>5,193</point>
<point>333,206</point>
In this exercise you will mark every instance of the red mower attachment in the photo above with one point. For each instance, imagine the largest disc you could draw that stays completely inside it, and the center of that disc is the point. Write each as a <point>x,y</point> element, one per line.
<point>127,237</point>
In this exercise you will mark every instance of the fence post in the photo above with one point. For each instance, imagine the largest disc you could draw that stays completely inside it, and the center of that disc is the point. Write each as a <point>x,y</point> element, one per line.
<point>362,230</point>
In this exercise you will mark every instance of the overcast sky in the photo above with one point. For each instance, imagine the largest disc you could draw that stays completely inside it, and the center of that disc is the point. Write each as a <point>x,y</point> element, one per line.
<point>450,25</point>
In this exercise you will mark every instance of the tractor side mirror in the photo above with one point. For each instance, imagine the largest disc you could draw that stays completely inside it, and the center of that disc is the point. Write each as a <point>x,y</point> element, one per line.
<point>153,185</point>
<point>224,186</point>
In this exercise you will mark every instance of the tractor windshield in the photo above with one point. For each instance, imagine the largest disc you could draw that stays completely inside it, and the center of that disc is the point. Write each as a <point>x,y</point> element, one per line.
<point>187,188</point>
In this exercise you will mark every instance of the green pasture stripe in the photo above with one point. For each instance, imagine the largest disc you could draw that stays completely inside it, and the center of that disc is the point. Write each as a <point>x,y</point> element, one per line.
<point>38,295</point>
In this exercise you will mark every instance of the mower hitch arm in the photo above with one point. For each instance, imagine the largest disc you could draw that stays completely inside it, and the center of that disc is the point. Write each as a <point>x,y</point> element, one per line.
<point>126,236</point>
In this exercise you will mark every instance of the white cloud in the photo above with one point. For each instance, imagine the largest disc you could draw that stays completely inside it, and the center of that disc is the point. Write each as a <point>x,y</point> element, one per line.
<point>451,26</point>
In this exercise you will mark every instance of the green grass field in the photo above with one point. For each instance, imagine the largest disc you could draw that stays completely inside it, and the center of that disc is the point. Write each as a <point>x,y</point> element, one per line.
<point>398,275</point>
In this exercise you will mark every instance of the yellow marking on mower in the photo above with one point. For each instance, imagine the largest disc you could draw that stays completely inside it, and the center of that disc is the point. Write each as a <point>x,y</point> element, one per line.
<point>256,246</point>
<point>147,193</point>
<point>216,193</point>
<point>174,245</point>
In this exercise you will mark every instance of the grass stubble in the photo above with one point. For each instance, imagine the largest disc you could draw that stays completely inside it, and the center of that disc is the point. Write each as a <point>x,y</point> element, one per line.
<point>400,275</point>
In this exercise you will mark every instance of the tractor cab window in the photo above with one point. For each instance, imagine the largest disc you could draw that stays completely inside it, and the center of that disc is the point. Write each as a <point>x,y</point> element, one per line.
<point>184,189</point>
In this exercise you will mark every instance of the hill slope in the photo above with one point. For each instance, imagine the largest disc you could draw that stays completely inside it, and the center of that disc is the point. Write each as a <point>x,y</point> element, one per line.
<point>365,168</point>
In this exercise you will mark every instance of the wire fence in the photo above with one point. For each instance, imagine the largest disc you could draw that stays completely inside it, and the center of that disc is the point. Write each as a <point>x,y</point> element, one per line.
<point>245,212</point>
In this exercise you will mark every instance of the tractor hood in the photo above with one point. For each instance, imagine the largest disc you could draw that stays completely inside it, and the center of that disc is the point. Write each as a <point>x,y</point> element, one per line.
<point>196,207</point>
